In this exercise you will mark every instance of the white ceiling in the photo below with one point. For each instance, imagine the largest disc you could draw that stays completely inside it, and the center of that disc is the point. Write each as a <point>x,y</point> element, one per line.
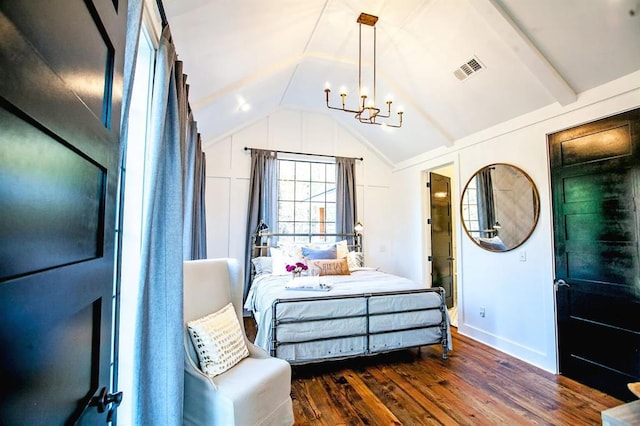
<point>280,54</point>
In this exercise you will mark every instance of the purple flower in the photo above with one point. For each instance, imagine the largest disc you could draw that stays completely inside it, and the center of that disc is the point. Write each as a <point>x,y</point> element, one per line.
<point>298,267</point>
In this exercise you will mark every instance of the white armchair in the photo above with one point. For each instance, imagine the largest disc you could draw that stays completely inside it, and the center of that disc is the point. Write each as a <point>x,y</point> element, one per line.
<point>257,390</point>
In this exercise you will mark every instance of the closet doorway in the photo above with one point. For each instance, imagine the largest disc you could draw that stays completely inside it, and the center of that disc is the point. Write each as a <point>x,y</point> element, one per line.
<point>440,249</point>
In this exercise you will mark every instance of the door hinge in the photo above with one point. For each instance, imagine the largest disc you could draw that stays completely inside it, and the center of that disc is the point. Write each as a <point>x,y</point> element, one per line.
<point>428,184</point>
<point>429,258</point>
<point>428,221</point>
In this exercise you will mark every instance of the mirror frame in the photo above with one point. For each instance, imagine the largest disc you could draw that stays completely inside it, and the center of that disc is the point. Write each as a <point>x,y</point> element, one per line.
<point>536,213</point>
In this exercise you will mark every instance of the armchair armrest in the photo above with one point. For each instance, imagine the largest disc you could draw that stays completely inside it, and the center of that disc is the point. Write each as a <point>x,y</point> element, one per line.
<point>256,351</point>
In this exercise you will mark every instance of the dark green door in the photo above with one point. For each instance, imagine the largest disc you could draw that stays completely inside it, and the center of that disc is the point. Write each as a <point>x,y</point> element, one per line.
<point>595,175</point>
<point>441,235</point>
<point>60,96</point>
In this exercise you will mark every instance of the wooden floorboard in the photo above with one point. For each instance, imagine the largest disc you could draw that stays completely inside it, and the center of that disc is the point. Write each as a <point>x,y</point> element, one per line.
<point>476,385</point>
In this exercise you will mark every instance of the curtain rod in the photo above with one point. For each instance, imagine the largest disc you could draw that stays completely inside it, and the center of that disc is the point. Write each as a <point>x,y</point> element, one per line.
<point>246,148</point>
<point>163,15</point>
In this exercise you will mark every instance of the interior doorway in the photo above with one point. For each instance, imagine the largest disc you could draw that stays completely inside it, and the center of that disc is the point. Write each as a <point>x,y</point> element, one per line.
<point>439,242</point>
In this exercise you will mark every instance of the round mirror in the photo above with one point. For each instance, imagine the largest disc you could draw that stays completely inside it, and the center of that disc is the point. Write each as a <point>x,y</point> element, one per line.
<point>499,207</point>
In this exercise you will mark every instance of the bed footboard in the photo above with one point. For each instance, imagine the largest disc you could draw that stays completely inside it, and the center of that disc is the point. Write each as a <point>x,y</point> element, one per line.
<point>370,323</point>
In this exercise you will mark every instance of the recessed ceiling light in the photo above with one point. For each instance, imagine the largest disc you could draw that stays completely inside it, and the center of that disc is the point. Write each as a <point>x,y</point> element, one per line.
<point>243,105</point>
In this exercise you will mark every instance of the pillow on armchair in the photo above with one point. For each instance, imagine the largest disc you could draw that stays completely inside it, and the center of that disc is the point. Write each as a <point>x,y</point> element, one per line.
<point>218,341</point>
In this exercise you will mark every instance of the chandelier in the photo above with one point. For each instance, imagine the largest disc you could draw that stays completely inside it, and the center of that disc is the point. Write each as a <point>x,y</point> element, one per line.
<point>367,112</point>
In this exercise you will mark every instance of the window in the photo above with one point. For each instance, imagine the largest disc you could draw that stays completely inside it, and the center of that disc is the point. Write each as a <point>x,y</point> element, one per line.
<point>132,221</point>
<point>470,208</point>
<point>306,198</point>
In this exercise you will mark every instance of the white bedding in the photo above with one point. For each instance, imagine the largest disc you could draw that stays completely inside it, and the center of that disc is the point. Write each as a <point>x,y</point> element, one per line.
<point>267,288</point>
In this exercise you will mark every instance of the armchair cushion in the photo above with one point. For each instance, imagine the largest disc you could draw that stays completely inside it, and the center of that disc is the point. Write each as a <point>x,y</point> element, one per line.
<point>218,340</point>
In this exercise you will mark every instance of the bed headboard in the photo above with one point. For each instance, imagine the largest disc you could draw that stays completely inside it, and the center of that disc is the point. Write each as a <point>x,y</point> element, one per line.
<point>264,240</point>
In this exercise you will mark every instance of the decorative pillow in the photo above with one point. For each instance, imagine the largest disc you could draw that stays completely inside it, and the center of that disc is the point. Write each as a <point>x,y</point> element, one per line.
<point>354,260</point>
<point>218,341</point>
<point>262,265</point>
<point>332,267</point>
<point>342,247</point>
<point>313,254</point>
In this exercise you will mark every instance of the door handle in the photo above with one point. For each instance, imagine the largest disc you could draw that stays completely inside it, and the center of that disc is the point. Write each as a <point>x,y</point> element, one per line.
<point>103,400</point>
<point>560,283</point>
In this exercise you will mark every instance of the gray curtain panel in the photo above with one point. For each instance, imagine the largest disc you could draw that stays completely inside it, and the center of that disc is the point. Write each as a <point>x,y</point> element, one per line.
<point>486,203</point>
<point>346,209</point>
<point>262,203</point>
<point>199,210</point>
<point>194,231</point>
<point>160,356</point>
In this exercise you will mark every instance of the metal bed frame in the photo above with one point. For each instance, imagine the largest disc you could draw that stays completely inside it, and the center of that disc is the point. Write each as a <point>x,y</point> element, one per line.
<point>260,248</point>
<point>367,351</point>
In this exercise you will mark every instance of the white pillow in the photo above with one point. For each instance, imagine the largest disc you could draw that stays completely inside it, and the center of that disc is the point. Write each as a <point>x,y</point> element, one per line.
<point>280,261</point>
<point>354,259</point>
<point>218,341</point>
<point>342,249</point>
<point>262,265</point>
<point>292,250</point>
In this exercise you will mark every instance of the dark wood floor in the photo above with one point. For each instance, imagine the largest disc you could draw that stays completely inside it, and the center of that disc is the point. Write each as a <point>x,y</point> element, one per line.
<point>477,385</point>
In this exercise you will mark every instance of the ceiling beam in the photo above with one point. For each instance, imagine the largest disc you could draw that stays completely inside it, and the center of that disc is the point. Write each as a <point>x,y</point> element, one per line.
<point>525,50</point>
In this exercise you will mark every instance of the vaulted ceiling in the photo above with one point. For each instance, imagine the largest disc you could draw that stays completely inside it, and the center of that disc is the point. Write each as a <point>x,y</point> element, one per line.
<point>280,54</point>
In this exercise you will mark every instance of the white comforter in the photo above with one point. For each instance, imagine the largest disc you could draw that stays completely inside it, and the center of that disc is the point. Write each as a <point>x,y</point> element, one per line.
<point>267,288</point>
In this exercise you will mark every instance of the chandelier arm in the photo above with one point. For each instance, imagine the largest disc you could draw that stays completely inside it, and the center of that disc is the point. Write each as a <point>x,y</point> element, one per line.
<point>327,91</point>
<point>344,109</point>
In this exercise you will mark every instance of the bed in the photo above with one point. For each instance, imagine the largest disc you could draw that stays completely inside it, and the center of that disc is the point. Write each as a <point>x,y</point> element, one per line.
<point>367,312</point>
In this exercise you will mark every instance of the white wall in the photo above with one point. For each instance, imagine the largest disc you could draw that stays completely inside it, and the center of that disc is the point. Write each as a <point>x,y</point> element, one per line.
<point>518,296</point>
<point>228,172</point>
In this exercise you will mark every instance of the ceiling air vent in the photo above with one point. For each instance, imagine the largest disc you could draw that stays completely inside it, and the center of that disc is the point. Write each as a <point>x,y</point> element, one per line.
<point>469,68</point>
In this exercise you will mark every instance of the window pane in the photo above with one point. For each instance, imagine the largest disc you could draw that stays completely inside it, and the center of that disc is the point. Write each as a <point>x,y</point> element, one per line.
<point>303,171</point>
<point>331,192</point>
<point>465,211</point>
<point>331,228</point>
<point>286,191</point>
<point>285,228</point>
<point>285,211</point>
<point>303,191</point>
<point>302,212</point>
<point>318,191</point>
<point>317,228</point>
<point>302,228</point>
<point>287,169</point>
<point>318,172</point>
<point>317,212</point>
<point>331,172</point>
<point>331,212</point>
